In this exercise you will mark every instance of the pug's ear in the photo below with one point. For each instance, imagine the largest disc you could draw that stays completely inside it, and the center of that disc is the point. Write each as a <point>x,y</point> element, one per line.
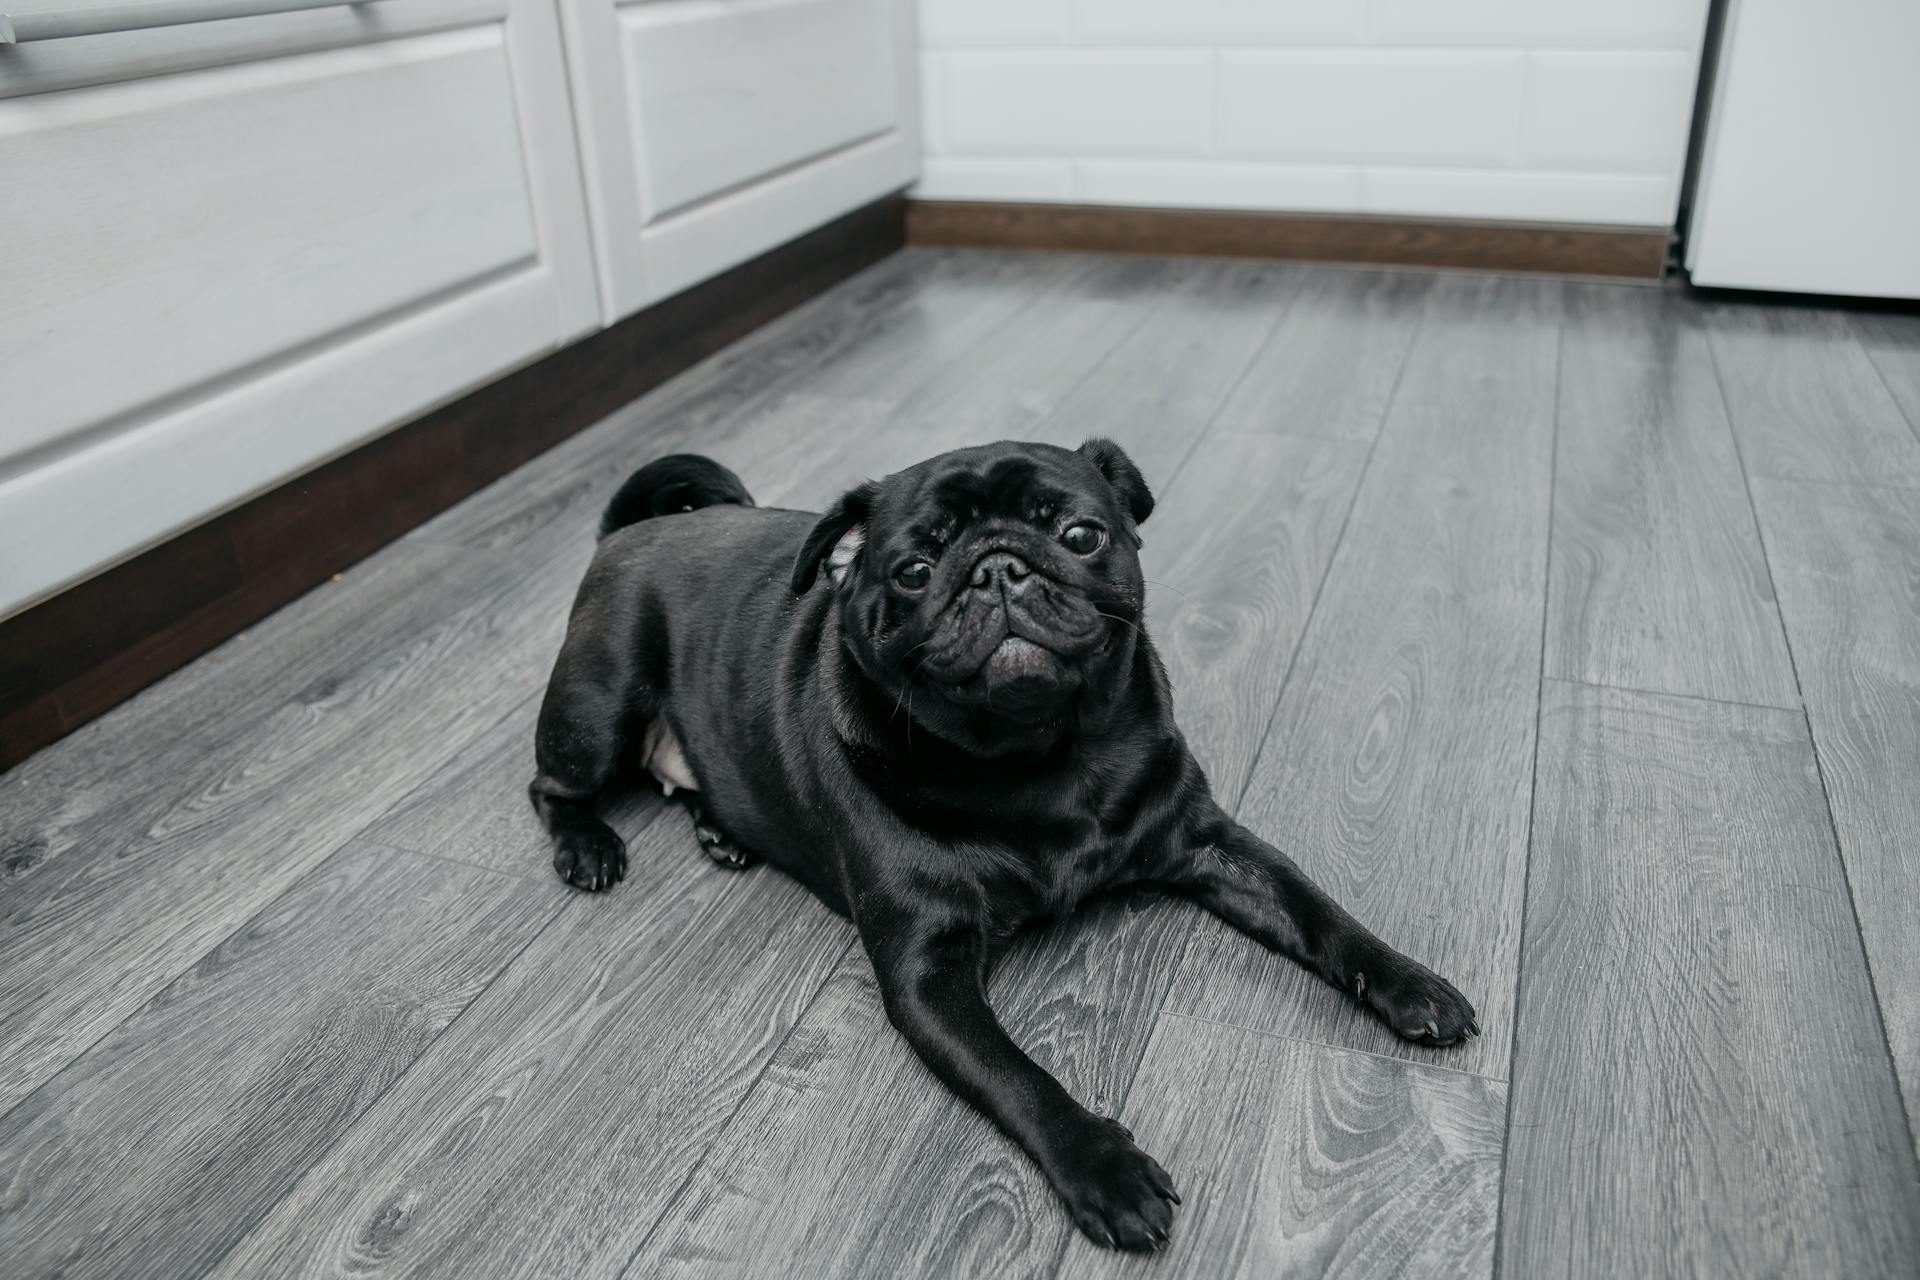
<point>1113,463</point>
<point>835,540</point>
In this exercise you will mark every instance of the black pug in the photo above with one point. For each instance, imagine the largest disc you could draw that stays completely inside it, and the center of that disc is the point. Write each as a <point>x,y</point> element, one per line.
<point>936,707</point>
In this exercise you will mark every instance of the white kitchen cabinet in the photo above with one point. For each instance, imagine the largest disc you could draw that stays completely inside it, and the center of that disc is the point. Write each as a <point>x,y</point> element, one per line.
<point>714,130</point>
<point>235,249</point>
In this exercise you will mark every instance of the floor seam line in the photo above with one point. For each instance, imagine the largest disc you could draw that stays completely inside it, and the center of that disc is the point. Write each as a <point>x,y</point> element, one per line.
<point>1415,1063</point>
<point>1667,693</point>
<point>426,1050</point>
<point>693,1170</point>
<point>1853,332</point>
<point>1533,803</point>
<point>1819,763</point>
<point>1326,573</point>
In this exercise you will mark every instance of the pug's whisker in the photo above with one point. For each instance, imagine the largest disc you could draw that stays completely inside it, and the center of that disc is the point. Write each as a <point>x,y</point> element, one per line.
<point>1167,586</point>
<point>1122,621</point>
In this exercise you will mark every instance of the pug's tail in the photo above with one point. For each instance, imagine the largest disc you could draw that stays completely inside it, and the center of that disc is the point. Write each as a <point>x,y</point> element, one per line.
<point>678,482</point>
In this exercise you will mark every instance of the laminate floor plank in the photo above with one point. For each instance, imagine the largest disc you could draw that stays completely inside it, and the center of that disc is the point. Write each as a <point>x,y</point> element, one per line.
<point>88,936</point>
<point>1303,1160</point>
<point>1658,580</point>
<point>850,1159</point>
<point>156,1151</point>
<point>1805,399</point>
<point>1330,365</point>
<point>1844,561</point>
<point>1692,966</point>
<point>1892,342</point>
<point>544,1132</point>
<point>1397,768</point>
<point>1159,390</point>
<point>95,789</point>
<point>1011,383</point>
<point>1236,551</point>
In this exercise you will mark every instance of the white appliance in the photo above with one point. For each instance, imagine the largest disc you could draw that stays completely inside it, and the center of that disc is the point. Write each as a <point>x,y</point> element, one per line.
<point>1810,177</point>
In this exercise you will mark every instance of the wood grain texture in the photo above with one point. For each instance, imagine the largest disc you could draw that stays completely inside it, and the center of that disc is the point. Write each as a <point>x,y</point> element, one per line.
<point>1658,580</point>
<point>571,482</point>
<point>1160,388</point>
<point>1806,402</point>
<point>1750,1123</point>
<point>1396,772</point>
<point>1017,364</point>
<point>804,388</point>
<point>1844,561</point>
<point>474,808</point>
<point>87,936</point>
<point>546,1130</point>
<point>1236,551</point>
<point>1407,242</point>
<point>1296,1159</point>
<point>71,658</point>
<point>850,1158</point>
<point>1332,362</point>
<point>155,1153</point>
<point>1892,342</point>
<point>1015,380</point>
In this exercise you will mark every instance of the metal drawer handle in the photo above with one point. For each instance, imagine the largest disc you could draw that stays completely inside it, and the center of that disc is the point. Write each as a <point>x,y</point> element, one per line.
<point>58,24</point>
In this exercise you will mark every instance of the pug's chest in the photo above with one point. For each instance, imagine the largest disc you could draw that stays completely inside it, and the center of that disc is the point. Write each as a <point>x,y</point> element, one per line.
<point>1038,879</point>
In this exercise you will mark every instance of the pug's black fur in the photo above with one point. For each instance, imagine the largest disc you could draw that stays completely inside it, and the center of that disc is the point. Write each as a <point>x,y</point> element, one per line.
<point>936,707</point>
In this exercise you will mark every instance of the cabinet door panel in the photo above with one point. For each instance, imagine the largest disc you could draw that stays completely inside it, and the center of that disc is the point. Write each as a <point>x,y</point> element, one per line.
<point>727,91</point>
<point>181,230</point>
<point>217,278</point>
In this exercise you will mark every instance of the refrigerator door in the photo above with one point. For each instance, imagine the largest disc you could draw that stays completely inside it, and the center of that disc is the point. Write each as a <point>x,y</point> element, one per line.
<point>1810,179</point>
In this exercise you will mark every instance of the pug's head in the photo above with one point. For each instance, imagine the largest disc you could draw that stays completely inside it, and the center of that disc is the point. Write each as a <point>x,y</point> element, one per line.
<point>988,589</point>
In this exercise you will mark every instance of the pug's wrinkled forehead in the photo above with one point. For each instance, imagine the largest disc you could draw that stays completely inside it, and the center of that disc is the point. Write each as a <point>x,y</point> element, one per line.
<point>1019,488</point>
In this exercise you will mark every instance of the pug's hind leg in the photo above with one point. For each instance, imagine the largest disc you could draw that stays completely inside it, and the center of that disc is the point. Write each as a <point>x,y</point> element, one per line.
<point>715,843</point>
<point>582,733</point>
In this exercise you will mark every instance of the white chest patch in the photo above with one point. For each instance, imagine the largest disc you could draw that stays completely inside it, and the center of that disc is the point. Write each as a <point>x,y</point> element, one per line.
<point>660,753</point>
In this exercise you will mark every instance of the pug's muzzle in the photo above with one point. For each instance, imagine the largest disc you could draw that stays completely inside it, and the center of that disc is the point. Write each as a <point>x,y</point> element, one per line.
<point>1012,636</point>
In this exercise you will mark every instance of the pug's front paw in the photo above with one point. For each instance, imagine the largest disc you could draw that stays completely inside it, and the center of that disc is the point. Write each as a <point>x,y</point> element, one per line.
<point>1119,1195</point>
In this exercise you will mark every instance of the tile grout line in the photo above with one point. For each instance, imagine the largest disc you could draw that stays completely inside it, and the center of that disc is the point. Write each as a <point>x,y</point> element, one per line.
<point>693,1170</point>
<point>1813,746</point>
<point>1533,808</point>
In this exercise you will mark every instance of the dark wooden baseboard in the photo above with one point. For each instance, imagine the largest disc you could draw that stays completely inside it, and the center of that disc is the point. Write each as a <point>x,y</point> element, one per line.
<point>1605,252</point>
<point>74,656</point>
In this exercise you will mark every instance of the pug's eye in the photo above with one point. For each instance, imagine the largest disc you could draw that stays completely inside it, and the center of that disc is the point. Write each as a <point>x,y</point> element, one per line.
<point>1083,539</point>
<point>914,575</point>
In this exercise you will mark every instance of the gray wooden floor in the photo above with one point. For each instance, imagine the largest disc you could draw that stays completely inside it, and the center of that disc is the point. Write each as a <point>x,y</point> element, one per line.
<point>1569,633</point>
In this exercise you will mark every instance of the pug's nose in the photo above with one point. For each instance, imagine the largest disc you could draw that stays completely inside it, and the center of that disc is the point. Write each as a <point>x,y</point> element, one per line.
<point>999,567</point>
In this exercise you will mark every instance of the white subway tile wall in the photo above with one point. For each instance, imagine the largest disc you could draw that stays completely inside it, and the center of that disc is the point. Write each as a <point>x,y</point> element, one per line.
<point>1533,110</point>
